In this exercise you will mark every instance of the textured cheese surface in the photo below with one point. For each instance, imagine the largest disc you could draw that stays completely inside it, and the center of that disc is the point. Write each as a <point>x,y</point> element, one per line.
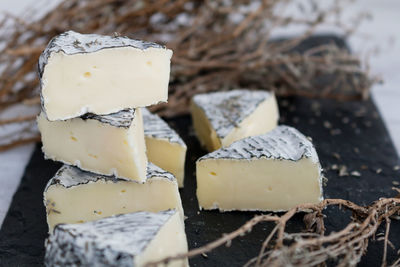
<point>114,241</point>
<point>164,146</point>
<point>97,74</point>
<point>121,118</point>
<point>271,172</point>
<point>71,42</point>
<point>69,176</point>
<point>226,110</point>
<point>76,196</point>
<point>111,145</point>
<point>157,128</point>
<point>284,142</point>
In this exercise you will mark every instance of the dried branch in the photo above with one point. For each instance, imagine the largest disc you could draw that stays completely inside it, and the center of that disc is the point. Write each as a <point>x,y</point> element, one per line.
<point>18,119</point>
<point>217,46</point>
<point>19,142</point>
<point>313,248</point>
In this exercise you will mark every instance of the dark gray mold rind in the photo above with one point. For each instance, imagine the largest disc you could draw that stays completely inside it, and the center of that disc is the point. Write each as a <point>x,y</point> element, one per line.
<point>89,244</point>
<point>282,143</point>
<point>71,43</point>
<point>70,176</point>
<point>157,128</point>
<point>122,119</point>
<point>226,110</point>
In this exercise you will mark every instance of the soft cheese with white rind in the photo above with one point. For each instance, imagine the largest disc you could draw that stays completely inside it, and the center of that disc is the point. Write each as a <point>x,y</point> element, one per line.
<point>110,144</point>
<point>164,146</point>
<point>91,73</point>
<point>76,196</point>
<point>221,118</point>
<point>127,240</point>
<point>271,172</point>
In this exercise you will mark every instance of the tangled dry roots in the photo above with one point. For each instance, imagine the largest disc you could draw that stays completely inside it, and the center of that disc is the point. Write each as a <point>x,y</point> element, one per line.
<point>312,247</point>
<point>217,45</point>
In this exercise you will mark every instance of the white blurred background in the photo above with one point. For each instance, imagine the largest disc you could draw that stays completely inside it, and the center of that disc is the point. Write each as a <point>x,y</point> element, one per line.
<point>379,37</point>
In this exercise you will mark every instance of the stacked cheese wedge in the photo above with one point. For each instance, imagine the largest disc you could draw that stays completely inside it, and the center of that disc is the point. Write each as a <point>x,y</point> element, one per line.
<point>256,164</point>
<point>94,90</point>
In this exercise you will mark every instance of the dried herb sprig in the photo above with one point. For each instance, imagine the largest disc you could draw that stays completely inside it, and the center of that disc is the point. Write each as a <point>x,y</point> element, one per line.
<point>217,45</point>
<point>313,247</point>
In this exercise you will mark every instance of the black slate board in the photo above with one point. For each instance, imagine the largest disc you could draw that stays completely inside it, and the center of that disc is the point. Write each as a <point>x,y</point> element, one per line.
<point>362,141</point>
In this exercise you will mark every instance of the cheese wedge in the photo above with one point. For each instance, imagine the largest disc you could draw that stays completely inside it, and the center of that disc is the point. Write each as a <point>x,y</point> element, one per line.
<point>82,73</point>
<point>271,172</point>
<point>133,239</point>
<point>164,146</point>
<point>110,144</point>
<point>221,118</point>
<point>76,196</point>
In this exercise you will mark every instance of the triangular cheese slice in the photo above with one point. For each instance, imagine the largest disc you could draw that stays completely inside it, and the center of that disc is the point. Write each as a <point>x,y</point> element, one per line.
<point>110,144</point>
<point>133,239</point>
<point>76,196</point>
<point>271,172</point>
<point>165,147</point>
<point>221,118</point>
<point>91,73</point>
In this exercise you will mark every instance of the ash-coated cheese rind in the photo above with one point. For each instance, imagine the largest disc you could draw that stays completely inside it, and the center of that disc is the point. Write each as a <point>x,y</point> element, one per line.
<point>220,118</point>
<point>227,109</point>
<point>71,43</point>
<point>69,176</point>
<point>67,244</point>
<point>90,73</point>
<point>76,196</point>
<point>132,239</point>
<point>164,146</point>
<point>112,144</point>
<point>282,143</point>
<point>271,172</point>
<point>122,118</point>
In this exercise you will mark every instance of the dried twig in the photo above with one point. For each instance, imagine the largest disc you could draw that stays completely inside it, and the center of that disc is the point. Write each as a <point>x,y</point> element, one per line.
<point>346,246</point>
<point>217,46</point>
<point>18,119</point>
<point>19,142</point>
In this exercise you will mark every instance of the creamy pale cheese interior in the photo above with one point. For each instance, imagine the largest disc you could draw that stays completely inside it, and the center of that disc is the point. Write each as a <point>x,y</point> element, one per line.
<point>95,200</point>
<point>257,184</point>
<point>263,119</point>
<point>96,146</point>
<point>104,81</point>
<point>169,241</point>
<point>204,131</point>
<point>167,155</point>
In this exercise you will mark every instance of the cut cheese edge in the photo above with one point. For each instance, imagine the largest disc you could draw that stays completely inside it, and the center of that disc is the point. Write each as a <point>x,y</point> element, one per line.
<point>110,144</point>
<point>90,73</point>
<point>76,196</point>
<point>221,118</point>
<point>165,147</point>
<point>271,172</point>
<point>133,239</point>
